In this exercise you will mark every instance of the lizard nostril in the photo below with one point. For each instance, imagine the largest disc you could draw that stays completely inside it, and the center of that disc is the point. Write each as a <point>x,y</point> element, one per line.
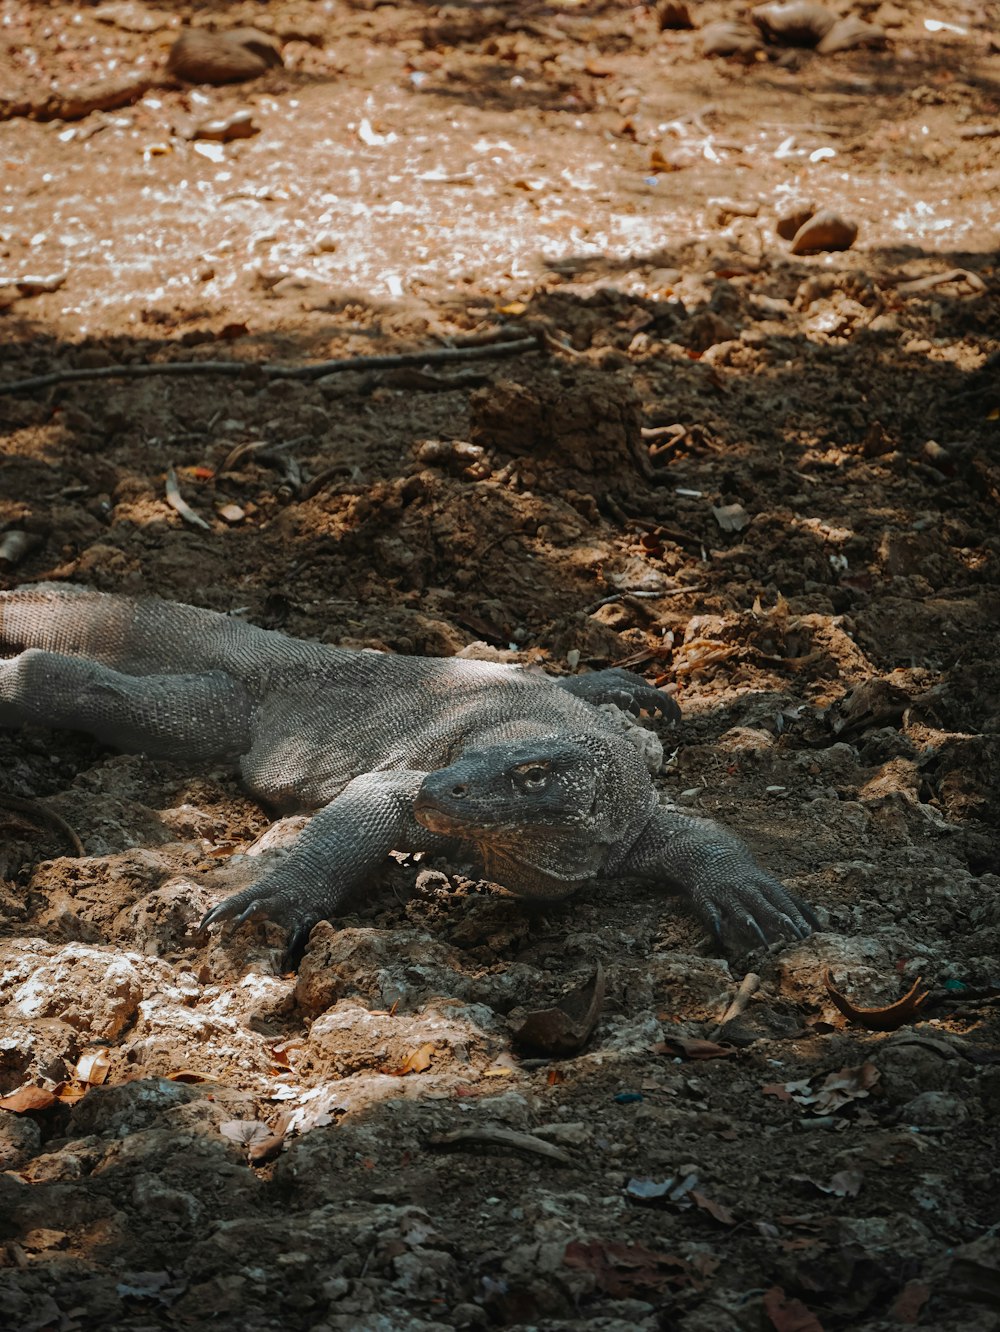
<point>460,791</point>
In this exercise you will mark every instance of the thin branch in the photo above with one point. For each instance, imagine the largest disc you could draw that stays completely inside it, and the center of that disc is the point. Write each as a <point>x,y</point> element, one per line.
<point>478,351</point>
<point>34,809</point>
<point>749,986</point>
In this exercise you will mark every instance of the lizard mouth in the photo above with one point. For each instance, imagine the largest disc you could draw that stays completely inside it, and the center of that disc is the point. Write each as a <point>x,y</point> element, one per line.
<point>429,814</point>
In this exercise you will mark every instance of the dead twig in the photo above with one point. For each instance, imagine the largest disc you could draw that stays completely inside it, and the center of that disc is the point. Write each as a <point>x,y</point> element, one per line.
<point>180,505</point>
<point>501,1137</point>
<point>627,592</point>
<point>477,351</point>
<point>43,814</point>
<point>749,986</point>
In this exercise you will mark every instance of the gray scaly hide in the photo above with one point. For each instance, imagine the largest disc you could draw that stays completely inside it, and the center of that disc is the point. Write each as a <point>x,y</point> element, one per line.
<point>404,753</point>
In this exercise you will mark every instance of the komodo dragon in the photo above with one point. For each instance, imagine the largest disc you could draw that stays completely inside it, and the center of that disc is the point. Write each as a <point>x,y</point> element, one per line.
<point>394,752</point>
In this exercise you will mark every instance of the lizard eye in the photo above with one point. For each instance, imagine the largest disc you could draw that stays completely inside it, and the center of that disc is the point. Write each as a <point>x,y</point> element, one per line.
<point>532,776</point>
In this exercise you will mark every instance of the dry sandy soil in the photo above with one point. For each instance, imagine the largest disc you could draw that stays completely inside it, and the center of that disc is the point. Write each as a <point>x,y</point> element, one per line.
<point>806,547</point>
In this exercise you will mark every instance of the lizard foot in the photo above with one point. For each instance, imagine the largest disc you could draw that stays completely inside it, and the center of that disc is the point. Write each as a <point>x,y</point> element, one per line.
<point>258,901</point>
<point>755,912</point>
<point>625,690</point>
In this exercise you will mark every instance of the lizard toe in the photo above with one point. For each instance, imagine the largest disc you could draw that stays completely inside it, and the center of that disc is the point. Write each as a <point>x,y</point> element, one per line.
<point>296,947</point>
<point>753,928</point>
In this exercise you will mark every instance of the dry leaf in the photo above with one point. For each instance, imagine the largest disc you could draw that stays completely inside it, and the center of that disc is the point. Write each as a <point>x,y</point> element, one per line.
<point>565,1028</point>
<point>890,1018</point>
<point>68,1093</point>
<point>244,1131</point>
<point>629,1271</point>
<point>27,1099</point>
<point>416,1062</point>
<point>716,1210</point>
<point>789,1315</point>
<point>693,1047</point>
<point>93,1067</point>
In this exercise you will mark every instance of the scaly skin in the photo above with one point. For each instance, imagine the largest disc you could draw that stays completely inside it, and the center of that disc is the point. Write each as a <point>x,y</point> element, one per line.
<point>395,753</point>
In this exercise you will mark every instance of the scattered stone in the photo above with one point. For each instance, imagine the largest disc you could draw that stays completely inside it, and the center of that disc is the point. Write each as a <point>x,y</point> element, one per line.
<point>16,545</point>
<point>89,990</point>
<point>313,295</point>
<point>133,17</point>
<point>201,56</point>
<point>34,284</point>
<point>731,517</point>
<point>673,14</point>
<point>99,95</point>
<point>730,37</point>
<point>231,514</point>
<point>794,218</point>
<point>728,209</point>
<point>935,1108</point>
<point>825,231</point>
<point>794,23</point>
<point>20,1139</point>
<point>455,453</point>
<point>849,33</point>
<point>240,125</point>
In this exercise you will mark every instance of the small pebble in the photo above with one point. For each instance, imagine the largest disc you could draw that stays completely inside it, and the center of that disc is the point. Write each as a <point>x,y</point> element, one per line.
<point>240,125</point>
<point>730,37</point>
<point>825,231</point>
<point>849,33</point>
<point>795,216</point>
<point>202,56</point>
<point>794,23</point>
<point>673,14</point>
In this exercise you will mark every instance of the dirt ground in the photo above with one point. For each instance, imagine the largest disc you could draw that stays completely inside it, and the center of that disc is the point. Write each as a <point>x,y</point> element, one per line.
<point>767,479</point>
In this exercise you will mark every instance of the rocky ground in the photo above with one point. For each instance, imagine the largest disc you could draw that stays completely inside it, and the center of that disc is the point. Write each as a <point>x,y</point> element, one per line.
<point>759,470</point>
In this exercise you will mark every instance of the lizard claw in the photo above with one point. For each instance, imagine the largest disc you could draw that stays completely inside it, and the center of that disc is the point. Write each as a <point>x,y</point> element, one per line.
<point>714,919</point>
<point>257,901</point>
<point>752,927</point>
<point>754,912</point>
<point>244,906</point>
<point>625,690</point>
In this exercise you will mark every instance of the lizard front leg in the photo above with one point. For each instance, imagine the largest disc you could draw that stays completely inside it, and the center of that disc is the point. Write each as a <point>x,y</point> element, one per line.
<point>626,690</point>
<point>740,903</point>
<point>343,845</point>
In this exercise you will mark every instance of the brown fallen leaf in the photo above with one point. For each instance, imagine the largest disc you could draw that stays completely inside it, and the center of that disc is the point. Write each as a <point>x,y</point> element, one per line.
<point>716,1210</point>
<point>844,1184</point>
<point>244,1131</point>
<point>27,1099</point>
<point>787,1314</point>
<point>631,1271</point>
<point>692,1047</point>
<point>832,1093</point>
<point>93,1067</point>
<point>68,1093</point>
<point>415,1062</point>
<point>907,1306</point>
<point>565,1028</point>
<point>890,1018</point>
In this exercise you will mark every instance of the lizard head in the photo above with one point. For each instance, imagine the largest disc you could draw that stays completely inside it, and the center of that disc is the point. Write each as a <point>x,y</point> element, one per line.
<point>541,811</point>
